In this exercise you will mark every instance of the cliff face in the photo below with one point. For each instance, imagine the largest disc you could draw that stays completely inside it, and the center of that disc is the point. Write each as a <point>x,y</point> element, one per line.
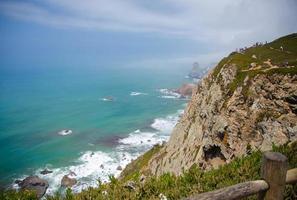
<point>248,102</point>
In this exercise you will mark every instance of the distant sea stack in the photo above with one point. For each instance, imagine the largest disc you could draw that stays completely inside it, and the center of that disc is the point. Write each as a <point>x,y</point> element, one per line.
<point>185,90</point>
<point>195,72</point>
<point>247,102</point>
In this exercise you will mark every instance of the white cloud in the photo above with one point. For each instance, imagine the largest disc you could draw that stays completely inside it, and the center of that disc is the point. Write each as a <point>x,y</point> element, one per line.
<point>229,23</point>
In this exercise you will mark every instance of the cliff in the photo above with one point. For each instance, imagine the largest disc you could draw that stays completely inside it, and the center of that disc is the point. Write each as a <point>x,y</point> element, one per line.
<point>247,102</point>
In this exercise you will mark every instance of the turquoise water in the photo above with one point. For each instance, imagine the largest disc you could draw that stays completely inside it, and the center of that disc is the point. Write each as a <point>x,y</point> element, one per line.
<point>36,105</point>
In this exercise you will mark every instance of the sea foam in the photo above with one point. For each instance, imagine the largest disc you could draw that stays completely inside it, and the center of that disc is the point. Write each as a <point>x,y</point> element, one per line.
<point>137,93</point>
<point>65,132</point>
<point>94,165</point>
<point>168,94</point>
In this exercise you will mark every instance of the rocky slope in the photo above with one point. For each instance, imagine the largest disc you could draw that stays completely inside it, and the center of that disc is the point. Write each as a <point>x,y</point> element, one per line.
<point>247,102</point>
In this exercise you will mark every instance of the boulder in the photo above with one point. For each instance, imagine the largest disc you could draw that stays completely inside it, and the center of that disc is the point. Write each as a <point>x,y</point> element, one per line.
<point>68,181</point>
<point>34,183</point>
<point>46,171</point>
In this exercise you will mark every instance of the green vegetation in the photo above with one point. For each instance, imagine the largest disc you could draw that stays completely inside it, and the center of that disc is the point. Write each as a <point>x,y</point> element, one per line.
<point>277,57</point>
<point>21,195</point>
<point>175,187</point>
<point>138,166</point>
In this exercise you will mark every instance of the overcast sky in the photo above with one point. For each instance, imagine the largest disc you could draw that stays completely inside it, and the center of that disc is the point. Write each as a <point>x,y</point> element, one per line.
<point>137,32</point>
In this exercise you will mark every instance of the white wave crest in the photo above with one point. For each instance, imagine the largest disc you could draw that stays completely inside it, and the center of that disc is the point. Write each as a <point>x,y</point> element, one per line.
<point>65,132</point>
<point>169,94</point>
<point>141,139</point>
<point>137,93</point>
<point>94,165</point>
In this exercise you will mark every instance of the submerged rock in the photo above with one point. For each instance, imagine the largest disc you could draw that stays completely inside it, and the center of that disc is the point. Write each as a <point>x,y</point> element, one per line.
<point>108,98</point>
<point>65,132</point>
<point>34,183</point>
<point>46,171</point>
<point>17,181</point>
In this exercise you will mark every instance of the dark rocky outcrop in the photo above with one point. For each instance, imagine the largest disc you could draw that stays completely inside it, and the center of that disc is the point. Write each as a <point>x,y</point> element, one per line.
<point>34,183</point>
<point>46,171</point>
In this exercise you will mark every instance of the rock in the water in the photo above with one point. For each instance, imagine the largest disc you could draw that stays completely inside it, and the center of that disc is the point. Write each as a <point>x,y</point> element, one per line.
<point>34,183</point>
<point>67,181</point>
<point>102,166</point>
<point>46,171</point>
<point>17,181</point>
<point>108,98</point>
<point>185,90</point>
<point>72,173</point>
<point>119,168</point>
<point>195,72</point>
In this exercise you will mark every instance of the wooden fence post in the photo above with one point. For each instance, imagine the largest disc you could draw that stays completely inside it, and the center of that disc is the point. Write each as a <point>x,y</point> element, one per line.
<point>273,171</point>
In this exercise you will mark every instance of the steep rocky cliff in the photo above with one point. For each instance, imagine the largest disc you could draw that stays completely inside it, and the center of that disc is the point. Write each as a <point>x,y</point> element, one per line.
<point>247,102</point>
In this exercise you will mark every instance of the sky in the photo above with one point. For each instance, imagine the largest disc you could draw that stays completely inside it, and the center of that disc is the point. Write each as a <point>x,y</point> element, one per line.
<point>135,33</point>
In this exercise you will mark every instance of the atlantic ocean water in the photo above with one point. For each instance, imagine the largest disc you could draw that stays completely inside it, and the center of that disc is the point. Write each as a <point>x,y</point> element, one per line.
<point>114,114</point>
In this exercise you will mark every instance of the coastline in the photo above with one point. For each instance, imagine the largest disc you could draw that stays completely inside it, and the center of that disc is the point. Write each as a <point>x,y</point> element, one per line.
<point>91,166</point>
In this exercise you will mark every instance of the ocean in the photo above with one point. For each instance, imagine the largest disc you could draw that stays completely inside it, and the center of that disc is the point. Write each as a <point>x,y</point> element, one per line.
<point>37,105</point>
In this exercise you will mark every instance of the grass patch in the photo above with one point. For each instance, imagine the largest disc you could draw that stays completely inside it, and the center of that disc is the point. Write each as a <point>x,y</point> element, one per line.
<point>133,169</point>
<point>271,51</point>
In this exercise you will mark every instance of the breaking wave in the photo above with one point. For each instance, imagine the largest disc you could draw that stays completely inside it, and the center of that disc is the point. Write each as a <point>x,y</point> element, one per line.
<point>94,165</point>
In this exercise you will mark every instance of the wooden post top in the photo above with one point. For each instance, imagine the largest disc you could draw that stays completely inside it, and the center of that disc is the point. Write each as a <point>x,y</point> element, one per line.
<point>275,156</point>
<point>273,171</point>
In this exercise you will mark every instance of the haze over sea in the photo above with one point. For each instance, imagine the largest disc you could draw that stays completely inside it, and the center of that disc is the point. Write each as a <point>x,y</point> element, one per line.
<point>36,105</point>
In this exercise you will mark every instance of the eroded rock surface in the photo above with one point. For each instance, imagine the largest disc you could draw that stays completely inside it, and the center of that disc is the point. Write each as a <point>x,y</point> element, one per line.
<point>220,124</point>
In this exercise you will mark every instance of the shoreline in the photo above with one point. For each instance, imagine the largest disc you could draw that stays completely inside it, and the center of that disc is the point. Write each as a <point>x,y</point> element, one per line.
<point>93,165</point>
